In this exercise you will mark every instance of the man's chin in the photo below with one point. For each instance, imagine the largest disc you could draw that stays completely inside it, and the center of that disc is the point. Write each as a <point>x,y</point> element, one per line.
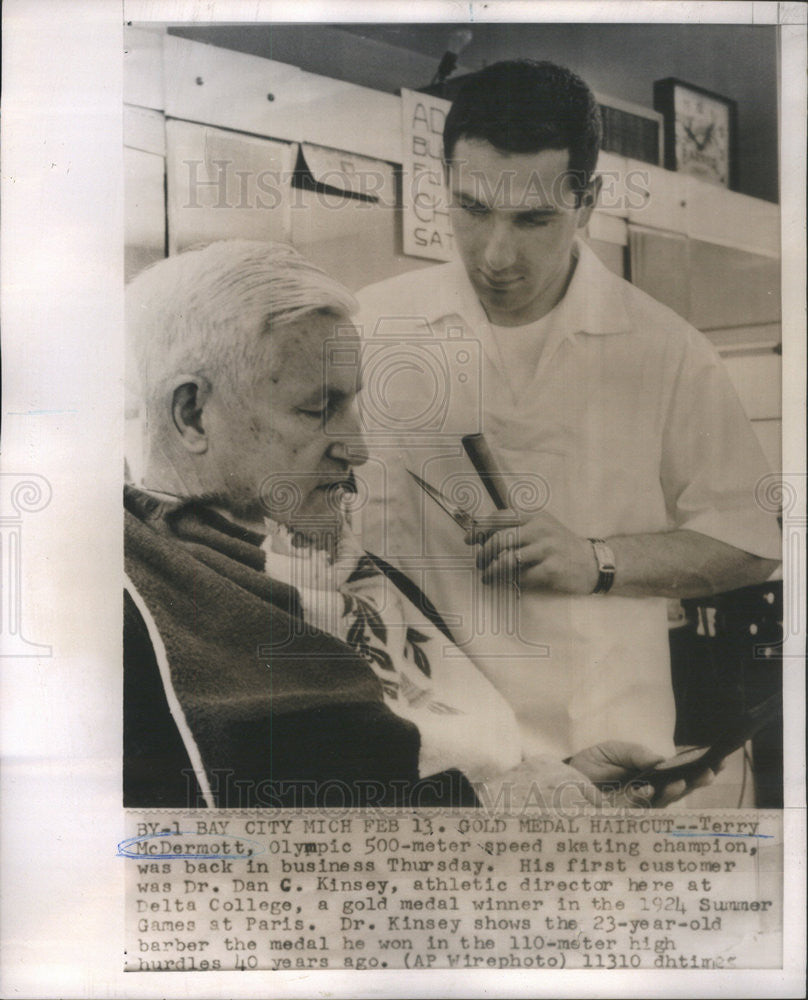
<point>317,522</point>
<point>316,534</point>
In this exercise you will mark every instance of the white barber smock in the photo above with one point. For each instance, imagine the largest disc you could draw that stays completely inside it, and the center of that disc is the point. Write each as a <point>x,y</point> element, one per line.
<point>628,425</point>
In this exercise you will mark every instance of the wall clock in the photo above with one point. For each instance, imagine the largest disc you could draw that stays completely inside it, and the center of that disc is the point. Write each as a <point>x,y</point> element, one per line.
<point>700,131</point>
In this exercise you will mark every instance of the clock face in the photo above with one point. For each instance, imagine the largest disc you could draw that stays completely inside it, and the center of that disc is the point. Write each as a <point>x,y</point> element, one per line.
<point>702,136</point>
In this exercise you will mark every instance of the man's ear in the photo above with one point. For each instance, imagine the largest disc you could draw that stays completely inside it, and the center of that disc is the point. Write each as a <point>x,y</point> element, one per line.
<point>589,199</point>
<point>188,399</point>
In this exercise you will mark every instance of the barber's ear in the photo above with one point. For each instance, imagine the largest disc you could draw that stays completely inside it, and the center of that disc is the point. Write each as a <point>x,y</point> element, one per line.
<point>589,199</point>
<point>188,400</point>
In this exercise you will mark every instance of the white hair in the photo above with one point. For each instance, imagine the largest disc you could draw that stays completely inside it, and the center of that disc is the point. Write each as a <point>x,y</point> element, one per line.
<point>206,311</point>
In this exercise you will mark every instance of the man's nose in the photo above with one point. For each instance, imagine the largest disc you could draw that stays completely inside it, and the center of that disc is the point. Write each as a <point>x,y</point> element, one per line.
<point>353,452</point>
<point>500,250</point>
<point>348,441</point>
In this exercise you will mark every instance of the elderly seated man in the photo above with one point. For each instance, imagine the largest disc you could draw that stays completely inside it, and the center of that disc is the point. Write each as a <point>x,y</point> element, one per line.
<point>268,659</point>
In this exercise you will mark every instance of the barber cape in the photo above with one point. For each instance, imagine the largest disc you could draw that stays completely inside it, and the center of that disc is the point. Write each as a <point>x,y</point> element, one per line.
<point>235,696</point>
<point>463,722</point>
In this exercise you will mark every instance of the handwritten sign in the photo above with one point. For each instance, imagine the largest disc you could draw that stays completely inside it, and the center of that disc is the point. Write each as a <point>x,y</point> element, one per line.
<point>427,228</point>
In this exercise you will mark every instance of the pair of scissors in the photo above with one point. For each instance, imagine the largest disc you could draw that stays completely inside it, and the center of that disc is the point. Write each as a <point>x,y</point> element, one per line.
<point>482,527</point>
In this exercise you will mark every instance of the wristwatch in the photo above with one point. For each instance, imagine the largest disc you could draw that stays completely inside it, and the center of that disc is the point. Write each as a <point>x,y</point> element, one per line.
<point>605,560</point>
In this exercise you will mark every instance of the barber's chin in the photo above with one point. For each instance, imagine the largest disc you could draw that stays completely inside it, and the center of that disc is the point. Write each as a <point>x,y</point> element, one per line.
<point>504,292</point>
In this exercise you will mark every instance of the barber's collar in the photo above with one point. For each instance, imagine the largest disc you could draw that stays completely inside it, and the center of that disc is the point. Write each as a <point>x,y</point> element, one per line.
<point>581,310</point>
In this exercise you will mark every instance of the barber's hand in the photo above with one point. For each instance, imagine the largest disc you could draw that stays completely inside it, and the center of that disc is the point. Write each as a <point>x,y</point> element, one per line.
<point>614,762</point>
<point>547,556</point>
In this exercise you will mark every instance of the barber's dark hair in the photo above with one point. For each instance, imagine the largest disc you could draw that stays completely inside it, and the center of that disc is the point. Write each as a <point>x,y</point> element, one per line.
<point>523,106</point>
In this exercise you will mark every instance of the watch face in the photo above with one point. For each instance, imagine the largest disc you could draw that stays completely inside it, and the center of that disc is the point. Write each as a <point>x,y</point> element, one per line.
<point>702,135</point>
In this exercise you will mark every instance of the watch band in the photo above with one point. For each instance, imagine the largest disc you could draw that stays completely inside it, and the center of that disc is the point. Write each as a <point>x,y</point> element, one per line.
<point>605,561</point>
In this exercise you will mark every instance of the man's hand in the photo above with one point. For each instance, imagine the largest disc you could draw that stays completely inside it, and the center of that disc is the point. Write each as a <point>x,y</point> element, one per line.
<point>540,781</point>
<point>542,554</point>
<point>545,781</point>
<point>614,763</point>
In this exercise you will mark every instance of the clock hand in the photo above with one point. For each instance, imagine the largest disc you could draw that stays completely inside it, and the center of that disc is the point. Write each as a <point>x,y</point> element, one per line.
<point>706,138</point>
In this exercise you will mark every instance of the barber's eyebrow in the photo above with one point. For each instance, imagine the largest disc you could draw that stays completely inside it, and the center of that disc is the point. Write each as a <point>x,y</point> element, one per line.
<point>540,210</point>
<point>537,214</point>
<point>528,214</point>
<point>469,199</point>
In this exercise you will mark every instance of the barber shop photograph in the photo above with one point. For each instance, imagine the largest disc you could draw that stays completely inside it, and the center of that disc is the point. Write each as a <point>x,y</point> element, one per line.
<point>453,415</point>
